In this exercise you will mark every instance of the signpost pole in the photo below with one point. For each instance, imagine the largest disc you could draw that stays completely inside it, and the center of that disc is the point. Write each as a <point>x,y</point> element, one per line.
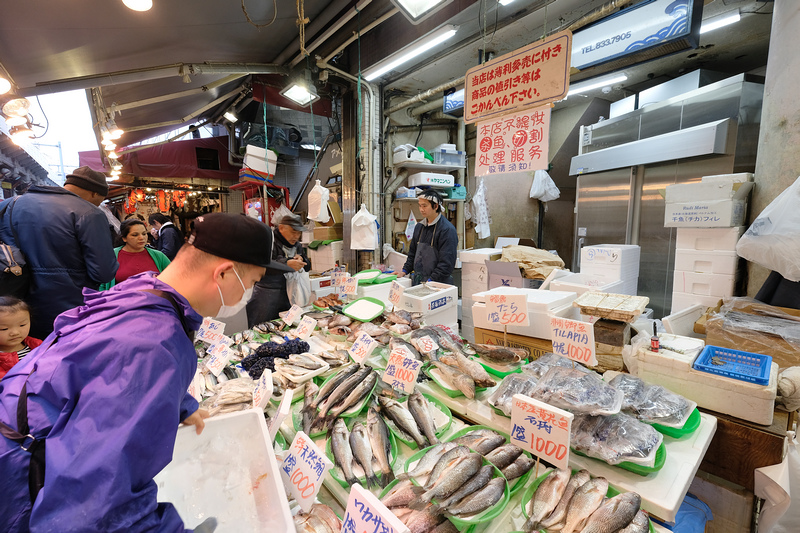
<point>536,474</point>
<point>505,335</point>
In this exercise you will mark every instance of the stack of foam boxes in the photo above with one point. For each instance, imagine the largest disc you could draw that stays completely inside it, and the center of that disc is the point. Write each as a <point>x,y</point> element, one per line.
<point>613,263</point>
<point>474,279</point>
<point>326,257</point>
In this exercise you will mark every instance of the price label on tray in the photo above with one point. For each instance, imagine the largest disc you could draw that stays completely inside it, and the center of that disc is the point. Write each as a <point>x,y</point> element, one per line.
<point>362,348</point>
<point>427,344</point>
<point>574,340</point>
<point>303,470</point>
<point>220,355</point>
<point>402,371</point>
<point>284,409</point>
<point>366,514</point>
<point>306,327</point>
<point>395,293</point>
<point>212,332</point>
<point>293,314</point>
<point>542,429</point>
<point>348,286</point>
<point>194,388</point>
<point>337,277</point>
<point>507,309</point>
<point>263,391</point>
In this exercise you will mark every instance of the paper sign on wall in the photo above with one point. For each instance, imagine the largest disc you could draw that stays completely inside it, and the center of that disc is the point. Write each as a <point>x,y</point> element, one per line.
<point>293,314</point>
<point>507,309</point>
<point>263,391</point>
<point>362,348</point>
<point>514,143</point>
<point>366,514</point>
<point>306,327</point>
<point>574,340</point>
<point>402,371</point>
<point>395,293</point>
<point>212,332</point>
<point>542,429</point>
<point>303,469</point>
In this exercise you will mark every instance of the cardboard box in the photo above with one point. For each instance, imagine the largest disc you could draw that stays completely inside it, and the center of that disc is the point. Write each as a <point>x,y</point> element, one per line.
<point>432,179</point>
<point>731,505</point>
<point>709,214</point>
<point>710,189</point>
<point>329,233</point>
<point>537,347</point>
<point>703,284</point>
<point>710,262</point>
<point>709,239</point>
<point>503,274</point>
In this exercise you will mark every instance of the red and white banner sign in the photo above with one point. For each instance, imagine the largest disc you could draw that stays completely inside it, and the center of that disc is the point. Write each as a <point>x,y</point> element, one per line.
<point>519,142</point>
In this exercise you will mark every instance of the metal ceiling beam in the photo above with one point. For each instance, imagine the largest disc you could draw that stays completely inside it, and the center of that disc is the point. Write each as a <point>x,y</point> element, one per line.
<point>319,23</point>
<point>377,22</point>
<point>116,108</point>
<point>331,30</point>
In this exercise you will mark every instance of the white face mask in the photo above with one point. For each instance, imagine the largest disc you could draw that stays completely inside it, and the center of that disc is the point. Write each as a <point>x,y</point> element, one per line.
<point>230,310</point>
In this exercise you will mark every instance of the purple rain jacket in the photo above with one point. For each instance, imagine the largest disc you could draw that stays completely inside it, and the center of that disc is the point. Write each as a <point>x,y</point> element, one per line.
<point>109,395</point>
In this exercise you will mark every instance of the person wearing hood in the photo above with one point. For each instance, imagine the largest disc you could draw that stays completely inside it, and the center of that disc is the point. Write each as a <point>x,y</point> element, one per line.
<point>432,251</point>
<point>270,296</point>
<point>169,238</point>
<point>88,418</point>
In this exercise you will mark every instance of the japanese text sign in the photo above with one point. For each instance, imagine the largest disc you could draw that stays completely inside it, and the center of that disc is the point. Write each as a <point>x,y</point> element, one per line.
<point>195,389</point>
<point>395,293</point>
<point>212,332</point>
<point>348,287</point>
<point>508,309</point>
<point>366,514</point>
<point>402,371</point>
<point>263,391</point>
<point>427,344</point>
<point>293,314</point>
<point>542,429</point>
<point>337,277</point>
<point>220,355</point>
<point>518,142</point>
<point>306,327</point>
<point>362,348</point>
<point>574,340</point>
<point>535,74</point>
<point>284,409</point>
<point>303,469</point>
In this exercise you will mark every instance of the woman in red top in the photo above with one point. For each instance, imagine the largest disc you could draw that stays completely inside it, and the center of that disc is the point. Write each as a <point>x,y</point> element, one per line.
<point>15,324</point>
<point>134,257</point>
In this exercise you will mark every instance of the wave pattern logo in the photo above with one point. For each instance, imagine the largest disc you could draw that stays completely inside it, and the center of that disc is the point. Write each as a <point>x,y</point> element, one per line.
<point>679,10</point>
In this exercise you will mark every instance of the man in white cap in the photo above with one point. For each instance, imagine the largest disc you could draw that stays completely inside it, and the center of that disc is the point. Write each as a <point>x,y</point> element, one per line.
<point>432,251</point>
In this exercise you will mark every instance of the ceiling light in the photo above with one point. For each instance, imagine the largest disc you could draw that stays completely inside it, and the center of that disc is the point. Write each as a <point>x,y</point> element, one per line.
<point>113,131</point>
<point>210,189</point>
<point>138,5</point>
<point>14,105</point>
<point>505,2</point>
<point>109,145</point>
<point>20,134</point>
<point>5,85</point>
<point>418,10</point>
<point>301,92</point>
<point>116,166</point>
<point>310,147</point>
<point>411,51</point>
<point>106,140</point>
<point>112,155</point>
<point>16,121</point>
<point>582,88</point>
<point>720,21</point>
<point>148,189</point>
<point>230,116</point>
<point>111,178</point>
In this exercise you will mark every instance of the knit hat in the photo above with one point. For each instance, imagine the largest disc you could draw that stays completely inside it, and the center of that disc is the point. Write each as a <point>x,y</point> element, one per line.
<point>89,180</point>
<point>235,237</point>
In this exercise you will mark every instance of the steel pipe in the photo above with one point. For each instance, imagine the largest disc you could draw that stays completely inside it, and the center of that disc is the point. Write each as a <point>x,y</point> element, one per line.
<point>421,97</point>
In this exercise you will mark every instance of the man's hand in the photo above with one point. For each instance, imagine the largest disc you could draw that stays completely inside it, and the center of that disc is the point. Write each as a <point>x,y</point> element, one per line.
<point>401,274</point>
<point>297,263</point>
<point>197,419</point>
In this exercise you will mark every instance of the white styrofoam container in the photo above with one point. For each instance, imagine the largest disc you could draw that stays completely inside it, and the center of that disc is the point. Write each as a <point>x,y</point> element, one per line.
<point>710,262</point>
<point>468,332</point>
<point>682,300</point>
<point>381,290</point>
<point>708,190</point>
<point>325,257</point>
<point>447,296</point>
<point>539,322</point>
<point>610,254</point>
<point>433,179</point>
<point>705,214</point>
<point>681,322</point>
<point>396,260</point>
<point>581,283</point>
<point>254,158</point>
<point>723,239</point>
<point>445,317</point>
<point>242,490</point>
<point>320,283</point>
<point>401,155</point>
<point>538,301</point>
<point>720,285</point>
<point>479,255</point>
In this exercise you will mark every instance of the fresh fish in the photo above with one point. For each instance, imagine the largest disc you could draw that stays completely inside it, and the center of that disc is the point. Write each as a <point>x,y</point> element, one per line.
<point>614,514</point>
<point>416,324</point>
<point>333,358</point>
<point>323,323</point>
<point>362,450</point>
<point>481,500</point>
<point>451,343</point>
<point>399,316</point>
<point>585,502</point>
<point>343,389</point>
<point>400,329</point>
<point>340,320</point>
<point>421,411</point>
<point>546,498</point>
<point>309,412</point>
<point>457,472</point>
<point>444,461</point>
<point>331,385</point>
<point>482,441</point>
<point>639,524</point>
<point>304,361</point>
<point>428,461</point>
<point>395,343</point>
<point>518,468</point>
<point>341,331</point>
<point>578,479</point>
<point>245,350</point>
<point>475,483</point>
<point>504,455</point>
<point>400,495</point>
<point>474,370</point>
<point>500,354</point>
<point>445,527</point>
<point>237,338</point>
<point>381,444</point>
<point>423,521</point>
<point>456,379</point>
<point>311,523</point>
<point>373,330</point>
<point>317,315</point>
<point>403,419</point>
<point>384,339</point>
<point>361,391</point>
<point>327,515</point>
<point>417,334</point>
<point>342,453</point>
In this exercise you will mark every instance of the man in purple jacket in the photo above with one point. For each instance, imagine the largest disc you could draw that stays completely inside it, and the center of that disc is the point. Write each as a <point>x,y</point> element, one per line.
<point>107,389</point>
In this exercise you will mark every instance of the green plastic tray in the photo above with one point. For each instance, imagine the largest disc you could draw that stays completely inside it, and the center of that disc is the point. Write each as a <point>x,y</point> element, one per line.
<point>661,457</point>
<point>297,418</point>
<point>362,480</point>
<point>369,281</point>
<point>281,441</point>
<point>384,278</point>
<point>496,372</point>
<point>529,492</point>
<point>370,299</point>
<point>453,393</point>
<point>439,432</point>
<point>692,423</point>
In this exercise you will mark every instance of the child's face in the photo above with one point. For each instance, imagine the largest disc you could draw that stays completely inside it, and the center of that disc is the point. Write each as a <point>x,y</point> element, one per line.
<point>14,327</point>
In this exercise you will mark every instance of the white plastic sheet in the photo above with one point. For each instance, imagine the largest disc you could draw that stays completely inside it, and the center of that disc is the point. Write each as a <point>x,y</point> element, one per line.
<point>410,225</point>
<point>778,484</point>
<point>480,212</point>
<point>364,230</point>
<point>544,188</point>
<point>318,203</point>
<point>298,287</point>
<point>279,213</point>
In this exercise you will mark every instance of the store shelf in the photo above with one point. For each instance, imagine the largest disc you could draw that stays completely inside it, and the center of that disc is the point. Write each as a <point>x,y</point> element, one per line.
<point>429,166</point>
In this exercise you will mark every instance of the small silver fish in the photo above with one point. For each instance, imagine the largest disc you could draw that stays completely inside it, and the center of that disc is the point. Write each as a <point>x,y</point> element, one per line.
<point>428,461</point>
<point>457,472</point>
<point>403,419</point>
<point>362,450</point>
<point>481,500</point>
<point>546,498</point>
<point>381,444</point>
<point>475,483</point>
<point>639,524</point>
<point>614,514</point>
<point>342,453</point>
<point>420,409</point>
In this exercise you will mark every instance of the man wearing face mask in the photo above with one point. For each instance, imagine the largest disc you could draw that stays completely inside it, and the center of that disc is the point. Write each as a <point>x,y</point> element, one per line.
<point>89,418</point>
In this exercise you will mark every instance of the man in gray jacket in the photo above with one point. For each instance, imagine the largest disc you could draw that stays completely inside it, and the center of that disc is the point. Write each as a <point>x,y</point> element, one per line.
<point>66,242</point>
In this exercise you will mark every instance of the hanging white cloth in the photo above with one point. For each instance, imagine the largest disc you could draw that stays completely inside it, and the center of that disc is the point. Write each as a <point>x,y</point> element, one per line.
<point>363,230</point>
<point>410,225</point>
<point>544,188</point>
<point>318,203</point>
<point>480,212</point>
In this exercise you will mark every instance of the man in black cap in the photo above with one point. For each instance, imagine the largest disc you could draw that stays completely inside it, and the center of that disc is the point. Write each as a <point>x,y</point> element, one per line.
<point>432,251</point>
<point>105,401</point>
<point>270,296</point>
<point>66,242</point>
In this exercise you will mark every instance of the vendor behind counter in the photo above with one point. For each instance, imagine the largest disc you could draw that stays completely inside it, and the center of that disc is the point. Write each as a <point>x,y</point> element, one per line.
<point>432,252</point>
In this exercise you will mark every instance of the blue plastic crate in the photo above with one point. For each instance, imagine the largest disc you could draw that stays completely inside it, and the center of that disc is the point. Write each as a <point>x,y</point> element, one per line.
<point>744,366</point>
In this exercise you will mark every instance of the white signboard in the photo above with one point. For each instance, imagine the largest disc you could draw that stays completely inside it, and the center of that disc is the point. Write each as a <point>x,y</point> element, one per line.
<point>541,429</point>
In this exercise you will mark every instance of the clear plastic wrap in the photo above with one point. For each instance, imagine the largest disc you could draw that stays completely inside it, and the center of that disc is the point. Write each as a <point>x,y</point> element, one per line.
<point>578,392</point>
<point>502,397</point>
<point>232,395</point>
<point>653,403</point>
<point>616,439</point>
<point>540,367</point>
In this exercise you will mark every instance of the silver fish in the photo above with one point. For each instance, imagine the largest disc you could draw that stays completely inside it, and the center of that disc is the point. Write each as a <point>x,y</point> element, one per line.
<point>423,521</point>
<point>585,502</point>
<point>504,455</point>
<point>331,385</point>
<point>304,361</point>
<point>308,412</point>
<point>323,323</point>
<point>475,483</point>
<point>416,324</point>
<point>546,498</point>
<point>370,329</point>
<point>457,472</point>
<point>428,461</point>
<point>639,524</point>
<point>340,320</point>
<point>399,316</point>
<point>614,514</point>
<point>361,391</point>
<point>342,453</point>
<point>381,444</point>
<point>451,343</point>
<point>445,527</point>
<point>456,379</point>
<point>473,369</point>
<point>481,500</point>
<point>421,411</point>
<point>341,331</point>
<point>518,468</point>
<point>395,343</point>
<point>362,450</point>
<point>482,441</point>
<point>400,329</point>
<point>578,479</point>
<point>500,354</point>
<point>403,419</point>
<point>400,495</point>
<point>444,461</point>
<point>343,389</point>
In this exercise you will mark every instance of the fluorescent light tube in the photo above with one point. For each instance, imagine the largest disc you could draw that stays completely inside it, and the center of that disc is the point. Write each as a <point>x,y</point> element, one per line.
<point>577,89</point>
<point>719,21</point>
<point>299,94</point>
<point>410,52</point>
<point>230,116</point>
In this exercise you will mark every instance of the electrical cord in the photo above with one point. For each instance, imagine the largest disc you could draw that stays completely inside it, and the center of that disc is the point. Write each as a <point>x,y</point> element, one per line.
<point>46,120</point>
<point>259,26</point>
<point>419,135</point>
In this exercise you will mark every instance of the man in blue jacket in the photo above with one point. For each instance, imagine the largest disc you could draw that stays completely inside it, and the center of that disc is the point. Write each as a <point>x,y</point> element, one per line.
<point>432,251</point>
<point>66,242</point>
<point>108,388</point>
<point>169,238</point>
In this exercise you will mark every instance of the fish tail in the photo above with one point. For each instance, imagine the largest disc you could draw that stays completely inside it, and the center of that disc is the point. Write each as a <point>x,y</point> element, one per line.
<point>373,481</point>
<point>420,503</point>
<point>352,481</point>
<point>530,525</point>
<point>387,477</point>
<point>404,476</point>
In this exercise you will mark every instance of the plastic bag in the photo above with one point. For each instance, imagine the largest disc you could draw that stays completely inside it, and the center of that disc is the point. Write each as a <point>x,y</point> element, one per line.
<point>578,392</point>
<point>363,230</point>
<point>412,223</point>
<point>773,240</point>
<point>539,367</point>
<point>778,514</point>
<point>652,403</point>
<point>480,212</point>
<point>318,203</point>
<point>298,287</point>
<point>279,213</point>
<point>544,188</point>
<point>616,439</point>
<point>232,395</point>
<point>503,397</point>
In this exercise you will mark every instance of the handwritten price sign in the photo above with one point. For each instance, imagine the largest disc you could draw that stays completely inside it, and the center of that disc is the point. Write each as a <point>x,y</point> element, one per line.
<point>293,314</point>
<point>366,514</point>
<point>362,348</point>
<point>395,293</point>
<point>508,309</point>
<point>212,332</point>
<point>284,409</point>
<point>220,355</point>
<point>402,371</point>
<point>573,339</point>
<point>263,390</point>
<point>542,429</point>
<point>427,344</point>
<point>196,386</point>
<point>337,277</point>
<point>306,327</point>
<point>302,470</point>
<point>348,287</point>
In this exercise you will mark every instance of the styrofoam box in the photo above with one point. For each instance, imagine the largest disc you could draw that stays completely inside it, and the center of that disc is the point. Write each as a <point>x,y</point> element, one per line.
<point>741,399</point>
<point>539,322</point>
<point>433,179</point>
<point>538,301</point>
<point>446,297</point>
<point>479,255</point>
<point>714,189</point>
<point>723,239</point>
<point>682,300</point>
<point>468,332</point>
<point>396,260</point>
<point>381,290</point>
<point>705,214</point>
<point>254,158</point>
<point>581,283</point>
<point>320,283</point>
<point>445,317</point>
<point>242,490</point>
<point>710,262</point>
<point>610,254</point>
<point>720,285</point>
<point>611,272</point>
